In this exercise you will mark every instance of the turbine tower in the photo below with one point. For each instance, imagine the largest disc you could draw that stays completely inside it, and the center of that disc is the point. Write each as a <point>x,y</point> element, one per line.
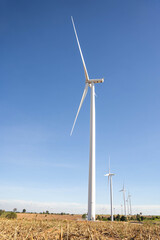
<point>109,175</point>
<point>121,209</point>
<point>123,190</point>
<point>129,198</point>
<point>89,83</point>
<point>127,202</point>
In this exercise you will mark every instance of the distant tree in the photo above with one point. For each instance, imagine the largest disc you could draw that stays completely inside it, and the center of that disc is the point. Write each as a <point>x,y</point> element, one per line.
<point>138,217</point>
<point>123,218</point>
<point>99,218</point>
<point>24,210</point>
<point>14,209</point>
<point>117,218</point>
<point>142,218</point>
<point>47,212</point>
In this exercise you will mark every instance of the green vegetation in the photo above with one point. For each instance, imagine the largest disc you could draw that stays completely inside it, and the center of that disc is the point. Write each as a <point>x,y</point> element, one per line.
<point>98,218</point>
<point>116,218</point>
<point>11,215</point>
<point>123,218</point>
<point>8,215</point>
<point>1,212</point>
<point>84,216</point>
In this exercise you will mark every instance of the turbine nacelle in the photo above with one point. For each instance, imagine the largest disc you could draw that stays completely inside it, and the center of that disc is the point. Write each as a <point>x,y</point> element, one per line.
<point>123,190</point>
<point>109,174</point>
<point>95,81</point>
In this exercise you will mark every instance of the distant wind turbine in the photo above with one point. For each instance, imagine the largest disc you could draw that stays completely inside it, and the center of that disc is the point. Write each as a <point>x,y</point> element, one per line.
<point>129,198</point>
<point>123,190</point>
<point>89,83</point>
<point>109,175</point>
<point>121,209</point>
<point>127,201</point>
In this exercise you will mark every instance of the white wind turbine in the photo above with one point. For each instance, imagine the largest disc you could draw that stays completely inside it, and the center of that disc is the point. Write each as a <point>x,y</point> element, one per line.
<point>123,190</point>
<point>89,83</point>
<point>127,202</point>
<point>129,199</point>
<point>121,209</point>
<point>109,175</point>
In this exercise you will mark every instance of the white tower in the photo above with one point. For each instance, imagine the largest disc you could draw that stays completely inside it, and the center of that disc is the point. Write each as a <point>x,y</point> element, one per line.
<point>109,175</point>
<point>89,83</point>
<point>124,199</point>
<point>129,199</point>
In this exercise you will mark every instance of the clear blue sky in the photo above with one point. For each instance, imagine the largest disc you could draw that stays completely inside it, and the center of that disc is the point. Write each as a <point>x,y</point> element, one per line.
<point>41,84</point>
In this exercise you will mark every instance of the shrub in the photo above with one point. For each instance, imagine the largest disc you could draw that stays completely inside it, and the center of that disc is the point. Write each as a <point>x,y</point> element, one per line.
<point>117,218</point>
<point>11,215</point>
<point>138,217</point>
<point>142,218</point>
<point>123,218</point>
<point>99,218</point>
<point>1,212</point>
<point>84,216</point>
<point>104,219</point>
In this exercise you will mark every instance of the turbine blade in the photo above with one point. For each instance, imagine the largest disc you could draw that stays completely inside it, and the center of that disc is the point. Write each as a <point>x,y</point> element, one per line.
<point>84,66</point>
<point>109,164</point>
<point>80,105</point>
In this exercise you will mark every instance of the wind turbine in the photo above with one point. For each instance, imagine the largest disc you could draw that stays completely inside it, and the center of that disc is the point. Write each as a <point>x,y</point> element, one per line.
<point>89,83</point>
<point>121,209</point>
<point>123,190</point>
<point>129,198</point>
<point>127,201</point>
<point>109,175</point>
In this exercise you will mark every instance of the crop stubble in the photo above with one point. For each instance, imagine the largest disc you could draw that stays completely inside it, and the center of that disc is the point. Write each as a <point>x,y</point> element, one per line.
<point>47,228</point>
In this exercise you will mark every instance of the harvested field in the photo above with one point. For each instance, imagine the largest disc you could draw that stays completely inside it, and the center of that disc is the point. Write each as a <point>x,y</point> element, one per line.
<point>48,228</point>
<point>31,216</point>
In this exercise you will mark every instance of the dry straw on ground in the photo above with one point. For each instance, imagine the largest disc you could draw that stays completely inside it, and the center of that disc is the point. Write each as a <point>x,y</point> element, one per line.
<point>48,228</point>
